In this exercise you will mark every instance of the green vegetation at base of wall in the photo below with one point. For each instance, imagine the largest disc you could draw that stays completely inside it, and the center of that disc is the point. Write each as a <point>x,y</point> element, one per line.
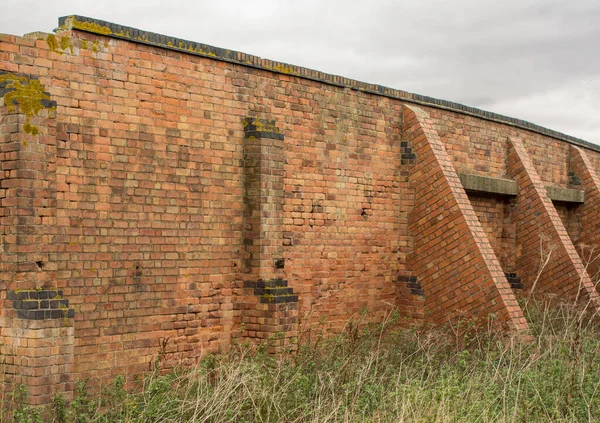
<point>374,374</point>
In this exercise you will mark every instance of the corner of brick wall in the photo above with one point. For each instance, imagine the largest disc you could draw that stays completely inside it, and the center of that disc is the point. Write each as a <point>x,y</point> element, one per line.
<point>583,172</point>
<point>38,354</point>
<point>37,334</point>
<point>452,257</point>
<point>540,230</point>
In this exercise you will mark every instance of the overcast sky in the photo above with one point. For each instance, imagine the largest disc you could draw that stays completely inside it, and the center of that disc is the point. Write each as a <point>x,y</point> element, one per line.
<point>536,60</point>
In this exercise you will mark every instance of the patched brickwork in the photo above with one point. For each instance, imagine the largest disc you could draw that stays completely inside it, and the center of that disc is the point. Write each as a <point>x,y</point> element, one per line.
<point>342,201</point>
<point>269,306</point>
<point>37,333</point>
<point>40,304</point>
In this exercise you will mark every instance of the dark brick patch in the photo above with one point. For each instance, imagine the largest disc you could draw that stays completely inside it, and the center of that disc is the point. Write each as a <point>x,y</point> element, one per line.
<point>412,282</point>
<point>40,304</point>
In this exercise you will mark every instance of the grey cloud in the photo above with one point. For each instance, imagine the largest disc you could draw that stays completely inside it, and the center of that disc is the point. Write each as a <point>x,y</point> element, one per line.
<point>524,58</point>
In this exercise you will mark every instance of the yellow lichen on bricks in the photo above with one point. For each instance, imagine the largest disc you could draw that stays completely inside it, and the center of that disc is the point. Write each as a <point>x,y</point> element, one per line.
<point>28,94</point>
<point>261,125</point>
<point>52,42</point>
<point>65,43</point>
<point>59,45</point>
<point>285,69</point>
<point>91,27</point>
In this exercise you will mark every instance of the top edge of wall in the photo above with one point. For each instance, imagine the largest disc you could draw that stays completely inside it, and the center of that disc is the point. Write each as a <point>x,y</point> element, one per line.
<point>109,29</point>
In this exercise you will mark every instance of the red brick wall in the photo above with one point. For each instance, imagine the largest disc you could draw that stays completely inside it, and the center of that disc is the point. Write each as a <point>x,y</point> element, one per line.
<point>494,214</point>
<point>149,196</point>
<point>342,203</point>
<point>546,259</point>
<point>588,212</point>
<point>452,256</point>
<point>570,217</point>
<point>479,147</point>
<point>141,207</point>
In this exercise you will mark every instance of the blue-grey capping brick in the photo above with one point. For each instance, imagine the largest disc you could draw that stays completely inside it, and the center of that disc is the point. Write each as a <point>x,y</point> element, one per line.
<point>265,135</point>
<point>29,314</point>
<point>52,293</point>
<point>29,305</point>
<point>273,291</point>
<point>56,314</point>
<point>272,283</point>
<point>279,299</point>
<point>45,314</point>
<point>23,295</point>
<point>34,314</point>
<point>59,303</point>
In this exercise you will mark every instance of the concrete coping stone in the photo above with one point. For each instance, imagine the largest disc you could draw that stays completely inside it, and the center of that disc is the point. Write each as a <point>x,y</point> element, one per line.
<point>508,187</point>
<point>489,185</point>
<point>565,195</point>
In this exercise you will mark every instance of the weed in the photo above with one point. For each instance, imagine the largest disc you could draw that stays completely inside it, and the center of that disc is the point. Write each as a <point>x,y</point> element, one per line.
<point>380,373</point>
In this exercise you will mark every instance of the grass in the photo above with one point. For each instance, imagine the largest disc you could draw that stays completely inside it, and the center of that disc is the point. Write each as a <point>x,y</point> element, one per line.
<point>377,373</point>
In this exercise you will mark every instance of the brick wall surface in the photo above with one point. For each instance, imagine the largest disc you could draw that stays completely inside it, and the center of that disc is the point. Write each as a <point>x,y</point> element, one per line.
<point>588,242</point>
<point>479,147</point>
<point>541,237</point>
<point>570,218</point>
<point>140,182</point>
<point>495,216</point>
<point>452,256</point>
<point>341,205</point>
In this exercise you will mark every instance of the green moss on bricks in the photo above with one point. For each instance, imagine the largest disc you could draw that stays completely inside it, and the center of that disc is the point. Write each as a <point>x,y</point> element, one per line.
<point>28,94</point>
